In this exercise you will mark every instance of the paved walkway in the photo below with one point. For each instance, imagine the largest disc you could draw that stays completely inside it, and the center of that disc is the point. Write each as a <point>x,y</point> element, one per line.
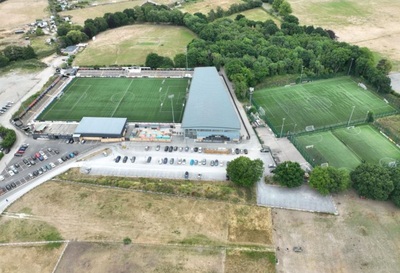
<point>301,198</point>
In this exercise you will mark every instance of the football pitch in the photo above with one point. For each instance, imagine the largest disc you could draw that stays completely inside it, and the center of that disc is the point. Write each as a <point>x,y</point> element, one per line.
<point>348,147</point>
<point>138,99</point>
<point>323,103</point>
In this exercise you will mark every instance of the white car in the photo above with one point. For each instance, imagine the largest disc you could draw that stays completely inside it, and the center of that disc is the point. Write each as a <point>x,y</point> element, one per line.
<point>45,156</point>
<point>11,172</point>
<point>52,164</point>
<point>1,178</point>
<point>60,161</point>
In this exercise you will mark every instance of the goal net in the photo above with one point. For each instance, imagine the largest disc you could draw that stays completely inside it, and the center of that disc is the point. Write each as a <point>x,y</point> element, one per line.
<point>310,128</point>
<point>324,164</point>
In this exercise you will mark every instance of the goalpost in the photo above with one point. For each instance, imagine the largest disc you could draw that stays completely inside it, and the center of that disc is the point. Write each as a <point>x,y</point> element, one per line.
<point>310,128</point>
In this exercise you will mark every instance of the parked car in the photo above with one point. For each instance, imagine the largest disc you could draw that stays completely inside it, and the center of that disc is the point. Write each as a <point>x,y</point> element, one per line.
<point>125,159</point>
<point>186,175</point>
<point>117,159</point>
<point>147,148</point>
<point>133,159</point>
<point>148,159</point>
<point>171,161</point>
<point>166,149</point>
<point>157,147</point>
<point>165,160</point>
<point>52,164</point>
<point>1,178</point>
<point>171,149</point>
<point>245,151</point>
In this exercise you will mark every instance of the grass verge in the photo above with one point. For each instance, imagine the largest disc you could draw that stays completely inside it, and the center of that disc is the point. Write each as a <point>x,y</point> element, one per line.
<point>223,191</point>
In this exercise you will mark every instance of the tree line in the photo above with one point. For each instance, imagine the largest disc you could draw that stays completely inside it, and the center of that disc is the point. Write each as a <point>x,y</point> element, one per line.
<point>16,53</point>
<point>370,181</point>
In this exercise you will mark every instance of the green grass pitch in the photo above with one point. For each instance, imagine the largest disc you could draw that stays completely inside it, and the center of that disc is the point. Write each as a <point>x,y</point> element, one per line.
<point>369,144</point>
<point>322,103</point>
<point>327,149</point>
<point>138,99</point>
<point>348,147</point>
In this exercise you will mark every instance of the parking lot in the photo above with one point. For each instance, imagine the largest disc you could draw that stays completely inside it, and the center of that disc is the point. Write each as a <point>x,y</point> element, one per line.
<point>35,158</point>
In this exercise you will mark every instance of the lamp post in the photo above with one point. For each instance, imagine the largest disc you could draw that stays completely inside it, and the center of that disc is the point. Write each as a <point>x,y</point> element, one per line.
<point>351,64</point>
<point>172,106</point>
<point>283,123</point>
<point>294,129</point>
<point>351,115</point>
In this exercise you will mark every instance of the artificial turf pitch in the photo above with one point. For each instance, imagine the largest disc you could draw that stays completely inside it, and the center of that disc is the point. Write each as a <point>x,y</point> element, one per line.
<point>323,103</point>
<point>348,147</point>
<point>138,99</point>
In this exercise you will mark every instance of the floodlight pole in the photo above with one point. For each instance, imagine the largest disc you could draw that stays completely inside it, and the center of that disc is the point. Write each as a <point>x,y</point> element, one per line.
<point>283,123</point>
<point>366,117</point>
<point>351,115</point>
<point>301,74</point>
<point>172,106</point>
<point>351,64</point>
<point>186,58</point>
<point>251,90</point>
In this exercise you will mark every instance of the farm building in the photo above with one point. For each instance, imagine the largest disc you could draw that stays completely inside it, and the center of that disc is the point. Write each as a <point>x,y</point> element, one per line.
<point>104,129</point>
<point>210,115</point>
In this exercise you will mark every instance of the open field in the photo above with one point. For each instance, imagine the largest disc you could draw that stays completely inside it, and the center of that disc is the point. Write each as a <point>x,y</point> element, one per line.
<point>374,24</point>
<point>130,45</point>
<point>322,103</point>
<point>366,142</point>
<point>326,148</point>
<point>169,234</point>
<point>204,6</point>
<point>78,16</point>
<point>257,15</point>
<point>363,238</point>
<point>22,13</point>
<point>143,99</point>
<point>33,259</point>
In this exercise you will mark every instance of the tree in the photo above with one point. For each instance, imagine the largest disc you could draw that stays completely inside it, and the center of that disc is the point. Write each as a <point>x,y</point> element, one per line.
<point>276,4</point>
<point>3,60</point>
<point>289,174</point>
<point>285,8</point>
<point>395,176</point>
<point>154,60</point>
<point>180,60</point>
<point>329,180</point>
<point>372,181</point>
<point>370,117</point>
<point>245,172</point>
<point>384,65</point>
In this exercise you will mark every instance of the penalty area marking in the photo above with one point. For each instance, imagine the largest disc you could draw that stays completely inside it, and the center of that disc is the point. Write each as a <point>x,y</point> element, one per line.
<point>385,161</point>
<point>356,131</point>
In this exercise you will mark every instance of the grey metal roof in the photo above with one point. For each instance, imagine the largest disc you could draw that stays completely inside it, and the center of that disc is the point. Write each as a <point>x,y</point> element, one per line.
<point>101,126</point>
<point>209,104</point>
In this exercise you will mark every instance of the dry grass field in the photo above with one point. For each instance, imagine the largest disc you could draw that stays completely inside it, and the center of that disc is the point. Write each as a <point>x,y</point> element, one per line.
<point>78,16</point>
<point>258,14</point>
<point>32,259</point>
<point>23,13</point>
<point>130,45</point>
<point>204,6</point>
<point>392,123</point>
<point>374,24</point>
<point>169,234</point>
<point>364,238</point>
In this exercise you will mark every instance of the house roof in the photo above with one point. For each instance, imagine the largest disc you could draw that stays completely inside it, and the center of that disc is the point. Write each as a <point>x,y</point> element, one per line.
<point>209,104</point>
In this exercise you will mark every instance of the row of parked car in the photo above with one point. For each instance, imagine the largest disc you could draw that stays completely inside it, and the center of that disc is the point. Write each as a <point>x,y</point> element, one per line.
<point>176,148</point>
<point>21,150</point>
<point>4,108</point>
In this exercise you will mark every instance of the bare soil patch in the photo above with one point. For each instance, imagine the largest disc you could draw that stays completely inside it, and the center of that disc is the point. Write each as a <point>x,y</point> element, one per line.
<point>29,259</point>
<point>364,238</point>
<point>373,24</point>
<point>97,258</point>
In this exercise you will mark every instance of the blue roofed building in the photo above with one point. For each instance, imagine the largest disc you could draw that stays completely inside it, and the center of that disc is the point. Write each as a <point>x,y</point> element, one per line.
<point>210,115</point>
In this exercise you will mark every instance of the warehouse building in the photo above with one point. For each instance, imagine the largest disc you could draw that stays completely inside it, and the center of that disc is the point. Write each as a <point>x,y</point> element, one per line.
<point>103,129</point>
<point>210,115</point>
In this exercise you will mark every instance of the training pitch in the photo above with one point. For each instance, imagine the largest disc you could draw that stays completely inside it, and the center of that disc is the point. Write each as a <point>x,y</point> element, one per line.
<point>348,147</point>
<point>139,100</point>
<point>322,103</point>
